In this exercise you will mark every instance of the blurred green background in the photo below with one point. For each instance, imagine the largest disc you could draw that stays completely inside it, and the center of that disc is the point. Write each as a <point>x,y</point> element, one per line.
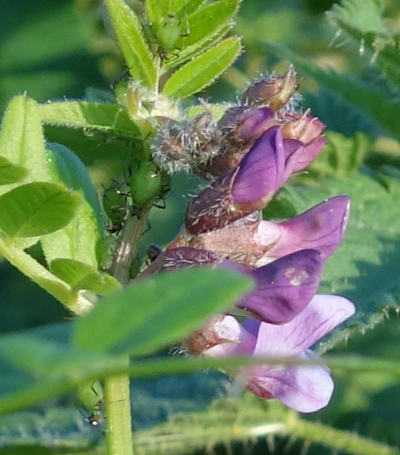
<point>56,49</point>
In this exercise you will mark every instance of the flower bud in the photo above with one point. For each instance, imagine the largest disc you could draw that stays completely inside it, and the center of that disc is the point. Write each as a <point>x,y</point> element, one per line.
<point>187,146</point>
<point>273,92</point>
<point>248,188</point>
<point>302,127</point>
<point>306,129</point>
<point>240,127</point>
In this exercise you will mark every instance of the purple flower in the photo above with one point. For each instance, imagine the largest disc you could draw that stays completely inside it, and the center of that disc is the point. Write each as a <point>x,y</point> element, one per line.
<point>240,127</point>
<point>260,174</point>
<point>282,288</point>
<point>322,228</point>
<point>303,388</point>
<point>249,187</point>
<point>255,242</point>
<point>306,129</point>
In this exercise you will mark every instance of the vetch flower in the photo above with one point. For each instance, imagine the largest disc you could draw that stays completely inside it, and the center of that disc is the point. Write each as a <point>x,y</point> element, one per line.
<point>248,188</point>
<point>252,151</point>
<point>304,388</point>
<point>283,287</point>
<point>255,242</point>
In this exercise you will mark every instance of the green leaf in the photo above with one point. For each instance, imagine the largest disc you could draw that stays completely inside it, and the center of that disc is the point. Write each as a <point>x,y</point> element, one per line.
<point>178,58</point>
<point>206,21</point>
<point>36,208</point>
<point>157,9</point>
<point>378,106</point>
<point>21,140</point>
<point>183,8</point>
<point>36,367</point>
<point>364,15</point>
<point>202,70</point>
<point>158,311</point>
<point>365,267</point>
<point>133,45</point>
<point>198,34</point>
<point>364,21</point>
<point>82,276</point>
<point>109,118</point>
<point>81,239</point>
<point>341,157</point>
<point>10,173</point>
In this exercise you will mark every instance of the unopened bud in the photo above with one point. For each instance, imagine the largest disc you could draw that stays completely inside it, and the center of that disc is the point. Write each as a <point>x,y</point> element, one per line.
<point>273,92</point>
<point>248,188</point>
<point>302,127</point>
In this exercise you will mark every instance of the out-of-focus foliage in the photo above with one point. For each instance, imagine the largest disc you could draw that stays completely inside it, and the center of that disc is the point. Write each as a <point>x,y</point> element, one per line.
<point>59,49</point>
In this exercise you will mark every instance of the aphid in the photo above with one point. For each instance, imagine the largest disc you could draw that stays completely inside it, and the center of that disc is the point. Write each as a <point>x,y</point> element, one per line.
<point>91,397</point>
<point>115,204</point>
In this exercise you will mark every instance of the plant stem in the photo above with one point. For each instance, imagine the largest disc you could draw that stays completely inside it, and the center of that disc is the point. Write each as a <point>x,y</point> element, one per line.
<point>336,439</point>
<point>116,388</point>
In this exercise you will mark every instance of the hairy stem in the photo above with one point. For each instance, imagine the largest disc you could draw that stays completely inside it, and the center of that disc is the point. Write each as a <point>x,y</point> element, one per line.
<point>116,388</point>
<point>336,439</point>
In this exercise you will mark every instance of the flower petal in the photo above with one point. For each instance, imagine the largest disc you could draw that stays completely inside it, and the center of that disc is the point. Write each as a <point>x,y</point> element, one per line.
<point>318,318</point>
<point>310,152</point>
<point>303,388</point>
<point>284,287</point>
<point>260,172</point>
<point>321,228</point>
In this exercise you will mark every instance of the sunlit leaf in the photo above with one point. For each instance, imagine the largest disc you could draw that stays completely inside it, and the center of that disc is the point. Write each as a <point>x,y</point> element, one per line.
<point>21,140</point>
<point>81,238</point>
<point>202,70</point>
<point>156,312</point>
<point>10,173</point>
<point>35,209</point>
<point>133,45</point>
<point>83,276</point>
<point>207,21</point>
<point>157,9</point>
<point>183,8</point>
<point>89,116</point>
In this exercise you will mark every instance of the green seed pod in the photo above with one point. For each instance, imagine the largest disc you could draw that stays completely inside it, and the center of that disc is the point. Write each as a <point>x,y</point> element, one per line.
<point>145,183</point>
<point>91,396</point>
<point>167,32</point>
<point>114,204</point>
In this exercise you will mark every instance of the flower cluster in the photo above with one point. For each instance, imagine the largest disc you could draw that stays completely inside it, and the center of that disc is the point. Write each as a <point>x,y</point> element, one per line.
<point>259,145</point>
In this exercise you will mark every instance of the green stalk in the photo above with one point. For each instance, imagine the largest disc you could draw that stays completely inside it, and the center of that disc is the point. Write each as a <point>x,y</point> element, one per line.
<point>336,439</point>
<point>116,388</point>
